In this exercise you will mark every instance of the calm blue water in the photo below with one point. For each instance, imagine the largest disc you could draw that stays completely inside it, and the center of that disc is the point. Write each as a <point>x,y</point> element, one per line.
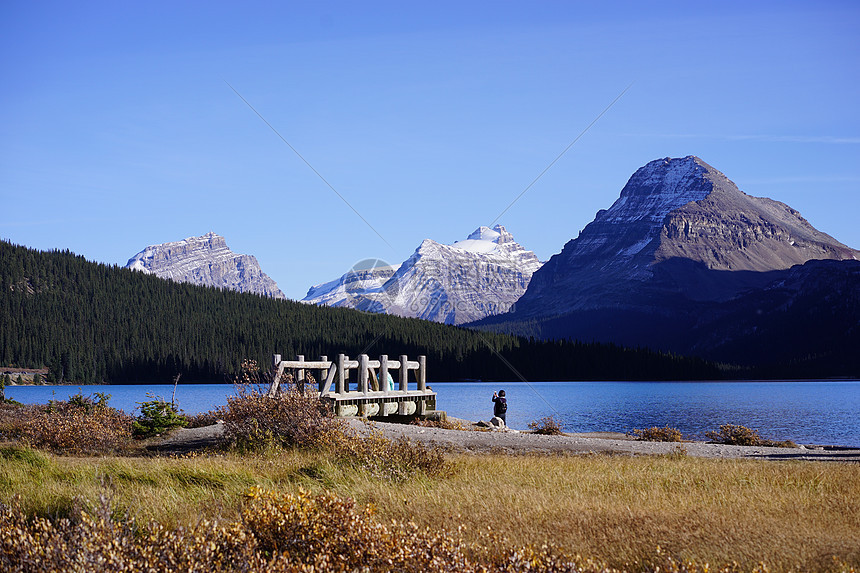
<point>826,412</point>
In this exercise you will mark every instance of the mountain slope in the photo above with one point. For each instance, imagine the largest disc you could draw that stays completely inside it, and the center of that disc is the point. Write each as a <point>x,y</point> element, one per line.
<point>681,247</point>
<point>205,261</point>
<point>479,276</point>
<point>675,209</point>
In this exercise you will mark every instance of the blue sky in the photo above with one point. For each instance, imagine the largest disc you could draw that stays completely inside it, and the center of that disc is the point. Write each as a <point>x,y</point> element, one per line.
<point>118,129</point>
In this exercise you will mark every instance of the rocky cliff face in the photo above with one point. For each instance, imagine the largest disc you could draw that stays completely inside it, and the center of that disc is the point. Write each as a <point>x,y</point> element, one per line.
<point>684,261</point>
<point>674,220</point>
<point>482,275</point>
<point>205,261</point>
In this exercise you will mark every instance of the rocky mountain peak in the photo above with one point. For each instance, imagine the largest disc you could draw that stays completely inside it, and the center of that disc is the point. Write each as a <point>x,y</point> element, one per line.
<point>674,215</point>
<point>207,261</point>
<point>481,275</point>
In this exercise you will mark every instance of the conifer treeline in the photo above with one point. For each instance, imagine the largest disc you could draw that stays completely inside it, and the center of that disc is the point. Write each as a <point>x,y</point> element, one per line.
<point>91,322</point>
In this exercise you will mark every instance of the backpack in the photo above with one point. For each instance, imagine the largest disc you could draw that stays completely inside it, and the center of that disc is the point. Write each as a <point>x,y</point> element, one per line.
<point>502,405</point>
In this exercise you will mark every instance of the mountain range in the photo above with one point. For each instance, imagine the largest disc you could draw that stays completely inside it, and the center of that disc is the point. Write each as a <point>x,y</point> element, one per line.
<point>682,261</point>
<point>482,275</point>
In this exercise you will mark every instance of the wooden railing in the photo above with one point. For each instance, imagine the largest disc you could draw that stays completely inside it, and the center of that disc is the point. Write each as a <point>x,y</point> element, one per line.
<point>373,396</point>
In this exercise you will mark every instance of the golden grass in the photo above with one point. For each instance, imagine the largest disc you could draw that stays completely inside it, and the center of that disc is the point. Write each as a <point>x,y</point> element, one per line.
<point>789,515</point>
<point>618,509</point>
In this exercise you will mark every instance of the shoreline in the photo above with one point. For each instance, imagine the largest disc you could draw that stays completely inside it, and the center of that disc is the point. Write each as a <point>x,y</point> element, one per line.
<point>473,441</point>
<point>514,443</point>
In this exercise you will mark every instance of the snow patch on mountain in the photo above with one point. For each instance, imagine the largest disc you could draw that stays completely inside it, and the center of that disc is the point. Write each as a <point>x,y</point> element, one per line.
<point>657,188</point>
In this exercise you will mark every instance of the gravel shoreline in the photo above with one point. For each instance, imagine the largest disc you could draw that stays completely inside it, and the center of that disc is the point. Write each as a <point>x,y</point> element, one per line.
<point>512,442</point>
<point>515,443</point>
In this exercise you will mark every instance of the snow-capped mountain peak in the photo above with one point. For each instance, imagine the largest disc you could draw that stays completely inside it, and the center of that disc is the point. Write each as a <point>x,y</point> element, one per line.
<point>481,275</point>
<point>485,240</point>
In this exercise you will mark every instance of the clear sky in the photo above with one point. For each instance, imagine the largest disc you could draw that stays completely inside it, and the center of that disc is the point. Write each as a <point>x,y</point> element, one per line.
<point>118,129</point>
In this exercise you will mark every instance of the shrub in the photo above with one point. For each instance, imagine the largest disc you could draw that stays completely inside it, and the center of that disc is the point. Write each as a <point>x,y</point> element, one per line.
<point>742,436</point>
<point>81,425</point>
<point>13,416</point>
<point>547,426</point>
<point>332,534</point>
<point>156,417</point>
<point>255,421</point>
<point>202,419</point>
<point>384,458</point>
<point>281,533</point>
<point>93,541</point>
<point>655,434</point>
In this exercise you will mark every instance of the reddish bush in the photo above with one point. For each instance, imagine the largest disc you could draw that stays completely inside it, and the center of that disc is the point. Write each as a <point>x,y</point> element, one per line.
<point>81,425</point>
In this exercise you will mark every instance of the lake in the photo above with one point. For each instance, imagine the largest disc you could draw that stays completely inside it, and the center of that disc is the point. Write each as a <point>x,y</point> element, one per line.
<point>809,412</point>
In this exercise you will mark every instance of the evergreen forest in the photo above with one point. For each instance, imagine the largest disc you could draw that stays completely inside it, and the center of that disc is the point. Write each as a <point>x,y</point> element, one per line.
<point>96,323</point>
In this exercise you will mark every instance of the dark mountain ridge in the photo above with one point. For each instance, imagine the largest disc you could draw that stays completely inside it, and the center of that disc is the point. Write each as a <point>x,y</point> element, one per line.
<point>93,323</point>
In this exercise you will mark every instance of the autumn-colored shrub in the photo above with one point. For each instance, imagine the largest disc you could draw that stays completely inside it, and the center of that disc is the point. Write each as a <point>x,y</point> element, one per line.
<point>81,425</point>
<point>655,434</point>
<point>95,542</point>
<point>202,419</point>
<point>287,533</point>
<point>547,426</point>
<point>255,421</point>
<point>384,458</point>
<point>742,436</point>
<point>12,419</point>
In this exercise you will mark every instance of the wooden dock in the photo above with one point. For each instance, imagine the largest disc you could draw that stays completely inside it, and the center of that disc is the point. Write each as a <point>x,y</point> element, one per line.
<point>362,387</point>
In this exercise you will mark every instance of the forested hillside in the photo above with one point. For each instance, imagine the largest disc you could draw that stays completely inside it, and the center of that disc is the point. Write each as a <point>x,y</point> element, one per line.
<point>91,322</point>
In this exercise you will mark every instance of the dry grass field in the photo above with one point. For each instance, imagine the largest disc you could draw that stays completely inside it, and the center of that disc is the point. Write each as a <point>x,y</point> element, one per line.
<point>617,510</point>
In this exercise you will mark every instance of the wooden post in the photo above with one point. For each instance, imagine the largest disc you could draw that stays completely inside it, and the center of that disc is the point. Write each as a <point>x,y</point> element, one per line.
<point>362,383</point>
<point>383,374</point>
<point>341,369</point>
<point>404,373</point>
<point>300,375</point>
<point>383,382</point>
<point>422,384</point>
<point>276,374</point>
<point>362,372</point>
<point>323,373</point>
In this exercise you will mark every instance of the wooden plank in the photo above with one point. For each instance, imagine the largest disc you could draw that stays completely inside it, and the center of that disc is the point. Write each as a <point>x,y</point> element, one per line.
<point>325,387</point>
<point>276,380</point>
<point>370,396</point>
<point>374,381</point>
<point>321,364</point>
